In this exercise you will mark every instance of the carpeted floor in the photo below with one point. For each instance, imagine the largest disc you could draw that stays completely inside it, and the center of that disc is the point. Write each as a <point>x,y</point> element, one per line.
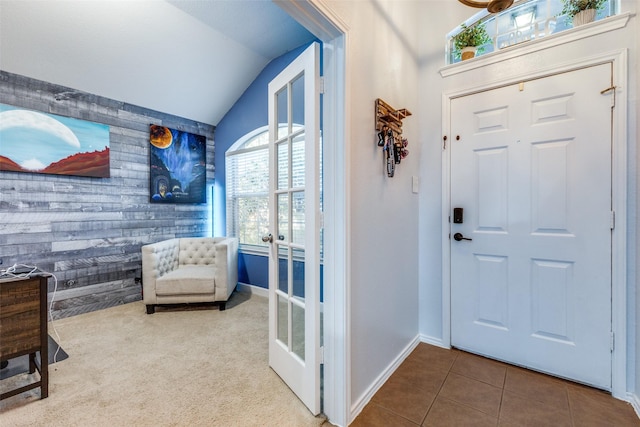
<point>178,367</point>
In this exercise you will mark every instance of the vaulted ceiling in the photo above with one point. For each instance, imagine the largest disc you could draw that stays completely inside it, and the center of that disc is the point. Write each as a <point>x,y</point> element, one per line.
<point>190,58</point>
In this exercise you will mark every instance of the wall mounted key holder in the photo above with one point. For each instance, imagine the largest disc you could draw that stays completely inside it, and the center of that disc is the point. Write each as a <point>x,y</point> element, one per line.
<point>389,131</point>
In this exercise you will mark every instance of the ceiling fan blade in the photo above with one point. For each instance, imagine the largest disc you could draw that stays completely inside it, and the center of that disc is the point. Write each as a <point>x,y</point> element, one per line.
<point>473,3</point>
<point>493,6</point>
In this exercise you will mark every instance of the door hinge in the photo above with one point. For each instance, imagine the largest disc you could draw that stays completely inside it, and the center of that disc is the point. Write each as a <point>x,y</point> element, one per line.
<point>612,221</point>
<point>322,355</point>
<point>613,98</point>
<point>613,340</point>
<point>321,84</point>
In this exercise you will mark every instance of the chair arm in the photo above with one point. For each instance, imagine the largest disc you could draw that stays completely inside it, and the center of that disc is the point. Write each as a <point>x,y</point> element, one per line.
<point>158,259</point>
<point>226,268</point>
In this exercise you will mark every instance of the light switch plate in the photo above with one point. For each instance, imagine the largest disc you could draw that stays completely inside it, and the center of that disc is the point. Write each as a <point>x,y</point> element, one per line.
<point>414,184</point>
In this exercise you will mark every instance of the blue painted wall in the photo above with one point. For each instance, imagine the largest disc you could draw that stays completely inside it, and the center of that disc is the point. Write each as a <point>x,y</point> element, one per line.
<point>247,114</point>
<point>253,270</point>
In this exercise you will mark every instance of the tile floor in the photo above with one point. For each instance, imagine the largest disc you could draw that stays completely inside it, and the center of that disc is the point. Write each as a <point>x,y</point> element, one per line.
<point>439,387</point>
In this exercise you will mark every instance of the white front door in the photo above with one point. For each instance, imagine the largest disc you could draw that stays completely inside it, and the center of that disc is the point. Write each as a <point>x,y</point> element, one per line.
<point>294,203</point>
<point>531,170</point>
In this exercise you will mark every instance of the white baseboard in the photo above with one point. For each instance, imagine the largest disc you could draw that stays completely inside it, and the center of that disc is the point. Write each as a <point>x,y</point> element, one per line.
<point>253,290</point>
<point>433,341</point>
<point>359,405</point>
<point>634,399</point>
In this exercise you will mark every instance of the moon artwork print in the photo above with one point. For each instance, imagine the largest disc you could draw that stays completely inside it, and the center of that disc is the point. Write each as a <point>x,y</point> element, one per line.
<point>35,142</point>
<point>177,166</point>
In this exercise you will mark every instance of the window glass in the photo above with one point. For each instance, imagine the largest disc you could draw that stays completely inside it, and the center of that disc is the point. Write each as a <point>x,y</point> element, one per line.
<point>247,184</point>
<point>522,22</point>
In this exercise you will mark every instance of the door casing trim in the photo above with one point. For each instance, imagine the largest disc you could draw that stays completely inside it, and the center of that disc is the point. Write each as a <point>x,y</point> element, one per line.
<point>618,59</point>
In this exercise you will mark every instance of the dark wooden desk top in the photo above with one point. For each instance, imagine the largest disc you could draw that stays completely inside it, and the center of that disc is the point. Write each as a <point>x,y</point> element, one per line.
<point>20,273</point>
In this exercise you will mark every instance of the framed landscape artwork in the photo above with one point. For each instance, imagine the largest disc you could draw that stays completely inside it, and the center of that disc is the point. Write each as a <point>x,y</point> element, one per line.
<point>35,142</point>
<point>177,166</point>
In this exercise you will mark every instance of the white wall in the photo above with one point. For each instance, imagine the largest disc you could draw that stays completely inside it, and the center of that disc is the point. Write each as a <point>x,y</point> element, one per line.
<point>432,38</point>
<point>382,62</point>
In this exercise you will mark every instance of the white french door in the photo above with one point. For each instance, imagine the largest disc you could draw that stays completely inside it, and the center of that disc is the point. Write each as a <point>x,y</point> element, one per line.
<point>294,203</point>
<point>531,245</point>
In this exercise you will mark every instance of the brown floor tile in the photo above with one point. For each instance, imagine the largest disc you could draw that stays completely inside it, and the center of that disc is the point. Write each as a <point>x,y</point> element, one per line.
<point>452,388</point>
<point>445,412</point>
<point>418,375</point>
<point>401,398</point>
<point>522,411</point>
<point>538,387</point>
<point>438,359</point>
<point>480,368</point>
<point>376,416</point>
<point>476,394</point>
<point>591,407</point>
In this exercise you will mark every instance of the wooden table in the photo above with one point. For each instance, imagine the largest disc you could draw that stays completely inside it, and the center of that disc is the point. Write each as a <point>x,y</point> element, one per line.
<point>23,327</point>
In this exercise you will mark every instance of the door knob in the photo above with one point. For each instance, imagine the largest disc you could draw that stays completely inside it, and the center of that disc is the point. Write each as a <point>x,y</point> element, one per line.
<point>268,238</point>
<point>458,236</point>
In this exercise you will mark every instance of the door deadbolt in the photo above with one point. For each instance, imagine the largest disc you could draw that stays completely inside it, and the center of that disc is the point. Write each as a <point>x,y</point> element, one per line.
<point>458,215</point>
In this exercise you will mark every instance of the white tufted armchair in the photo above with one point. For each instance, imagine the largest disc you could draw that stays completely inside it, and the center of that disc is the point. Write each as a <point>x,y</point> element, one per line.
<point>189,269</point>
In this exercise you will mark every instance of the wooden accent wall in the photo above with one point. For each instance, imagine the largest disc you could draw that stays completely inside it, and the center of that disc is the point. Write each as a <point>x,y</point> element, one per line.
<point>88,231</point>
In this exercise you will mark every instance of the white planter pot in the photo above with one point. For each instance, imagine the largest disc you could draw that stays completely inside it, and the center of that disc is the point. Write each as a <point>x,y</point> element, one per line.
<point>584,17</point>
<point>468,52</point>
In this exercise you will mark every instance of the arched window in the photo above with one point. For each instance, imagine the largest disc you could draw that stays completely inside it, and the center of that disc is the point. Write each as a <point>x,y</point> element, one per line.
<point>247,188</point>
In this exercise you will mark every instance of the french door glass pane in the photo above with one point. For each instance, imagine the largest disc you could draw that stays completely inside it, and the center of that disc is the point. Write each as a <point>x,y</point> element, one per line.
<point>297,97</point>
<point>297,330</point>
<point>283,165</point>
<point>283,217</point>
<point>297,161</point>
<point>282,320</point>
<point>283,269</point>
<point>297,278</point>
<point>282,112</point>
<point>297,217</point>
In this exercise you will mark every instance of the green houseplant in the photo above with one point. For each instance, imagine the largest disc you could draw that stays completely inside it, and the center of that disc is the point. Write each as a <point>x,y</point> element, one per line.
<point>468,42</point>
<point>581,11</point>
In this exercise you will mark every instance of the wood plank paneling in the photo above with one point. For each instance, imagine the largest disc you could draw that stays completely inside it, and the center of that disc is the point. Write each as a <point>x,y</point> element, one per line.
<point>88,231</point>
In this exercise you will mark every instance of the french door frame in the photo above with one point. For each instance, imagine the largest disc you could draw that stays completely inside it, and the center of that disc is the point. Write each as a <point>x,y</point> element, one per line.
<point>618,59</point>
<point>323,23</point>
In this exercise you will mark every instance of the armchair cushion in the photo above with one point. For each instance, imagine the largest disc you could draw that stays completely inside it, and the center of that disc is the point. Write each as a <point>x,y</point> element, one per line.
<point>187,280</point>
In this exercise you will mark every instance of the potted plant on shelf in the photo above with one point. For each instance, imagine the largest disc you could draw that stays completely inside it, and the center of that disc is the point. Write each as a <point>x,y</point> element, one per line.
<point>581,11</point>
<point>468,42</point>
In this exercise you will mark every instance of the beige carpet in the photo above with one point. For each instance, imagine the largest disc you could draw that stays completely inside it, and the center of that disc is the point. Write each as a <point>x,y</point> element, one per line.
<point>196,367</point>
